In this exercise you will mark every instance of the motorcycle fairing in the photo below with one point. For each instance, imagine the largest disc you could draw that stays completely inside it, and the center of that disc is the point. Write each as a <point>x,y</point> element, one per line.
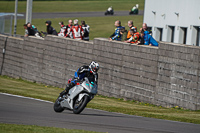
<point>68,103</point>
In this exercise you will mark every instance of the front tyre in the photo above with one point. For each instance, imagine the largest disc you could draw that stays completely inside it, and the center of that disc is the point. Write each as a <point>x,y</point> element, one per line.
<point>57,107</point>
<point>80,105</point>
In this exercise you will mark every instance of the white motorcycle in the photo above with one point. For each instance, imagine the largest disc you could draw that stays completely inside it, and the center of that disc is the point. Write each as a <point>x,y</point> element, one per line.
<point>77,98</point>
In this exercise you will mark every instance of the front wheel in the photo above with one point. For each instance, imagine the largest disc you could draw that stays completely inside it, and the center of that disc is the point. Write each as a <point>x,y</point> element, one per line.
<point>80,105</point>
<point>57,107</point>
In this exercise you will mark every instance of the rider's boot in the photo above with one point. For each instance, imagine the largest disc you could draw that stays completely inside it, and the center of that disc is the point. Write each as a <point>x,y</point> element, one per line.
<point>68,87</point>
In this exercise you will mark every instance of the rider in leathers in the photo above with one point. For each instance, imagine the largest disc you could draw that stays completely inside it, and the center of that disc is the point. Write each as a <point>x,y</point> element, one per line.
<point>84,71</point>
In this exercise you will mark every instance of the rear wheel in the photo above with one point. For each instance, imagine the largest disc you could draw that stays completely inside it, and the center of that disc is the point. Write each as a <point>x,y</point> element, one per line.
<point>57,107</point>
<point>80,105</point>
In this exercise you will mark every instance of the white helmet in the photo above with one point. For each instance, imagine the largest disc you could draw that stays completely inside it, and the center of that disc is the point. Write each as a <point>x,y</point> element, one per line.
<point>94,67</point>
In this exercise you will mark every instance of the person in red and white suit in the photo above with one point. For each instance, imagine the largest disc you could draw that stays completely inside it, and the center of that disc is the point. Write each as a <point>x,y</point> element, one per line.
<point>77,30</point>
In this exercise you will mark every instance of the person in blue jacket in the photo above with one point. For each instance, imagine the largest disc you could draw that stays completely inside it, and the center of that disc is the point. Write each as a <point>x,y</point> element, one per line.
<point>116,35</point>
<point>149,40</point>
<point>84,71</point>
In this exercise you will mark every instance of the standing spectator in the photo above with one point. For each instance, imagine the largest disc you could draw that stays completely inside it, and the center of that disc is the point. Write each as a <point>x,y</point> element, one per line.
<point>130,25</point>
<point>116,35</point>
<point>86,29</point>
<point>29,31</point>
<point>62,29</point>
<point>77,31</point>
<point>145,28</point>
<point>123,33</point>
<point>134,36</point>
<point>69,26</point>
<point>149,40</point>
<point>50,29</point>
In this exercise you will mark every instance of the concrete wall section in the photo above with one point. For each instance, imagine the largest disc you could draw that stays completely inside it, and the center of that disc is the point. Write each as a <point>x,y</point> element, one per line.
<point>32,59</point>
<point>139,68</point>
<point>168,75</point>
<point>178,76</point>
<point>2,45</point>
<point>12,65</point>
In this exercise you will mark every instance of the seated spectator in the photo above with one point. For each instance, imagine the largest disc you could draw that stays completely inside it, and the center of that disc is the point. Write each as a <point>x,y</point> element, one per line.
<point>134,36</point>
<point>145,28</point>
<point>123,33</point>
<point>69,26</point>
<point>50,29</point>
<point>130,25</point>
<point>77,31</point>
<point>116,35</point>
<point>28,31</point>
<point>37,33</point>
<point>149,40</point>
<point>141,38</point>
<point>62,29</point>
<point>86,29</point>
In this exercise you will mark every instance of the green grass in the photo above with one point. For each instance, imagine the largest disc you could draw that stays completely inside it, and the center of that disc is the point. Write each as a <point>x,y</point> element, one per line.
<point>13,128</point>
<point>99,26</point>
<point>26,88</point>
<point>71,6</point>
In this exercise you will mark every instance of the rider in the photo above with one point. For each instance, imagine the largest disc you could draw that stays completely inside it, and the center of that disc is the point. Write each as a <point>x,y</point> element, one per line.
<point>110,9</point>
<point>84,71</point>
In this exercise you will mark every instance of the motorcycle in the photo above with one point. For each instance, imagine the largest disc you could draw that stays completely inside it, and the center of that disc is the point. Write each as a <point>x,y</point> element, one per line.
<point>77,98</point>
<point>109,12</point>
<point>133,11</point>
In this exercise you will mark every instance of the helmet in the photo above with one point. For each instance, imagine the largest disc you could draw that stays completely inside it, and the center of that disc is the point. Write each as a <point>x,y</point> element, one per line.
<point>94,67</point>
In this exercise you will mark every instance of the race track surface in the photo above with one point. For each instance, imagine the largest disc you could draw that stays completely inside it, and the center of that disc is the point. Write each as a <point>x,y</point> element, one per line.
<point>77,14</point>
<point>17,110</point>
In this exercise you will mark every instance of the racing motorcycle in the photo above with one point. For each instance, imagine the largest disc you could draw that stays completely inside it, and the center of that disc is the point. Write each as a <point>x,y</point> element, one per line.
<point>77,98</point>
<point>109,12</point>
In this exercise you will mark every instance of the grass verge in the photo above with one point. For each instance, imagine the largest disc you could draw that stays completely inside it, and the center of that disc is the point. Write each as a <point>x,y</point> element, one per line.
<point>26,88</point>
<point>71,6</point>
<point>13,128</point>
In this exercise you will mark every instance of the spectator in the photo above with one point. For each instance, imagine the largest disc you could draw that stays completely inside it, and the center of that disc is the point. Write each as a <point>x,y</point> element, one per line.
<point>134,36</point>
<point>116,35</point>
<point>29,31</point>
<point>145,28</point>
<point>141,38</point>
<point>62,29</point>
<point>149,40</point>
<point>130,25</point>
<point>50,29</point>
<point>86,29</point>
<point>37,33</point>
<point>69,26</point>
<point>77,31</point>
<point>123,33</point>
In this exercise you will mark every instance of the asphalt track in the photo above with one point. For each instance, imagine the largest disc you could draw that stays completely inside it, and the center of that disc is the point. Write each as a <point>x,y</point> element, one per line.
<point>77,14</point>
<point>20,110</point>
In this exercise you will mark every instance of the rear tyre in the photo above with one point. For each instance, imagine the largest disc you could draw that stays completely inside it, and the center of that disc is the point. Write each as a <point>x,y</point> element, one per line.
<point>57,107</point>
<point>80,105</point>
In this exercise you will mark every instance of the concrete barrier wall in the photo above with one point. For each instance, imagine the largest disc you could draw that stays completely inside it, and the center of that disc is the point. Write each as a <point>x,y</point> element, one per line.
<point>167,75</point>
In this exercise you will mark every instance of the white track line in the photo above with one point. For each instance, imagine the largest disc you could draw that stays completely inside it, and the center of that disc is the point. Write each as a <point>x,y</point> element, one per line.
<point>25,97</point>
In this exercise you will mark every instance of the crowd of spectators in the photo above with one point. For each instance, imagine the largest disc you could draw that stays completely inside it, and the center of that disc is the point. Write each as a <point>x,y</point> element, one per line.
<point>81,32</point>
<point>72,30</point>
<point>132,36</point>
